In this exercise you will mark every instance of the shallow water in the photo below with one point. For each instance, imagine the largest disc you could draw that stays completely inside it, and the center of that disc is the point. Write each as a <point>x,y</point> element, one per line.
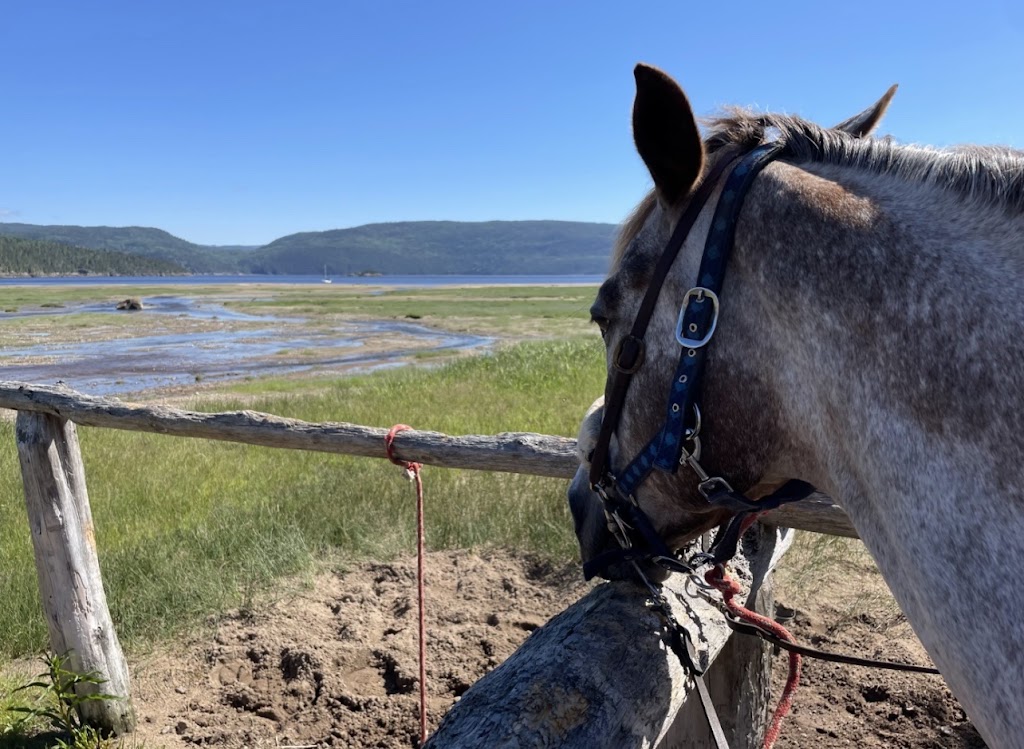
<point>407,281</point>
<point>275,346</point>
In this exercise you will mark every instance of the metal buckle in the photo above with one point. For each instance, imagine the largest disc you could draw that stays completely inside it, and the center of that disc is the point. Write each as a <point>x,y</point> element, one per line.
<point>698,293</point>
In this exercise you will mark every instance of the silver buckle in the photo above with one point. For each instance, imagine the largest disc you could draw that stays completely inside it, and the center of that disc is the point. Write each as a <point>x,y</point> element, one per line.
<point>698,293</point>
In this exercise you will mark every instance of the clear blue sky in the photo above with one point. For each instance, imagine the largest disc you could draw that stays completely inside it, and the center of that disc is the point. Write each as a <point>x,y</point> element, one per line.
<point>238,122</point>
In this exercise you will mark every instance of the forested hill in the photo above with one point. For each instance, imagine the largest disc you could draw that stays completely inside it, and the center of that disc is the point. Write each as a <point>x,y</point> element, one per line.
<point>36,257</point>
<point>137,240</point>
<point>409,247</point>
<point>442,247</point>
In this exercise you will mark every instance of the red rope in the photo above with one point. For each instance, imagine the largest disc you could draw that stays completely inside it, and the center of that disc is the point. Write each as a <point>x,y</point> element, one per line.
<point>413,471</point>
<point>720,579</point>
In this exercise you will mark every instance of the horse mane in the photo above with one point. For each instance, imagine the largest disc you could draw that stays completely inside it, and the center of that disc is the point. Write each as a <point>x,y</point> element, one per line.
<point>991,175</point>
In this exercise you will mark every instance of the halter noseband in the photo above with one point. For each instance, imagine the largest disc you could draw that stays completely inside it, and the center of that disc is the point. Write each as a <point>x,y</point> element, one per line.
<point>698,317</point>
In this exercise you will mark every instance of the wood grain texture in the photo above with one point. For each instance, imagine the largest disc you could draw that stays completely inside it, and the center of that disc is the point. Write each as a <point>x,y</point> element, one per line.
<point>70,585</point>
<point>510,452</point>
<point>601,674</point>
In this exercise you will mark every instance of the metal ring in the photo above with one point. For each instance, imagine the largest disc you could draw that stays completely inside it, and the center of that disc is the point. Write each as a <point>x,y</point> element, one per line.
<point>640,354</point>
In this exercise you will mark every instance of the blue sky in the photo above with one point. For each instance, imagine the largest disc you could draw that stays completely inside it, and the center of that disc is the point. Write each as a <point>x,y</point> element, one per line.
<point>238,122</point>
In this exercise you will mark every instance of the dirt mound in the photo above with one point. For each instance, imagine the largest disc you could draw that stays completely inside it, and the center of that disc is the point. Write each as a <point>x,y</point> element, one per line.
<point>838,705</point>
<point>335,664</point>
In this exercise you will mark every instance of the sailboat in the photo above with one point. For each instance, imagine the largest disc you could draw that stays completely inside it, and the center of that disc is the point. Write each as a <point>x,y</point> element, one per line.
<point>325,278</point>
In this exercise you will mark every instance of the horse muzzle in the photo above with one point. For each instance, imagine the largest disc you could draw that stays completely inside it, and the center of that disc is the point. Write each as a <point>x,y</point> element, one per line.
<point>593,534</point>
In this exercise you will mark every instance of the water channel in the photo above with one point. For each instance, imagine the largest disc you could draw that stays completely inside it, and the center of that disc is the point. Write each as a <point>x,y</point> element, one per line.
<point>198,340</point>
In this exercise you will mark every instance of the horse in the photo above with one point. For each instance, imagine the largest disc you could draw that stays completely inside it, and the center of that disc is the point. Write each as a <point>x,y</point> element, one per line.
<point>870,342</point>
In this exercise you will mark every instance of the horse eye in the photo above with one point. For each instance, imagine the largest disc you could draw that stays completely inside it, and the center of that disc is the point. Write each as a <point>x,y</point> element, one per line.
<point>602,323</point>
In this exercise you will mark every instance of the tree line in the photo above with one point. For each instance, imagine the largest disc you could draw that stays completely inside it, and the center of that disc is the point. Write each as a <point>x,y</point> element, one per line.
<point>37,257</point>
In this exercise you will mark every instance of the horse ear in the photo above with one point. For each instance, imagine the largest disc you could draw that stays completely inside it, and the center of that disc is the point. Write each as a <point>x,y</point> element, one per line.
<point>666,135</point>
<point>864,123</point>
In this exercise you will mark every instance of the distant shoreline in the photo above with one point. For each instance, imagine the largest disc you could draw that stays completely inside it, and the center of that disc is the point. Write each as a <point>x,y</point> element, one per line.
<point>410,280</point>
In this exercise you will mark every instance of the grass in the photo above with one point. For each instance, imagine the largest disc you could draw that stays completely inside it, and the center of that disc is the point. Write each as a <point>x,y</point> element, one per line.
<point>842,567</point>
<point>47,296</point>
<point>557,310</point>
<point>186,528</point>
<point>508,311</point>
<point>43,711</point>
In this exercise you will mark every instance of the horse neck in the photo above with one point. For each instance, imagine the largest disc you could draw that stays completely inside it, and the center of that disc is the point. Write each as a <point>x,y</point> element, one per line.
<point>889,325</point>
<point>877,294</point>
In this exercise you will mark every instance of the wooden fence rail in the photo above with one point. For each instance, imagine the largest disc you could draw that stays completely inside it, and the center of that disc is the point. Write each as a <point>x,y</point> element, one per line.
<point>79,622</point>
<point>510,452</point>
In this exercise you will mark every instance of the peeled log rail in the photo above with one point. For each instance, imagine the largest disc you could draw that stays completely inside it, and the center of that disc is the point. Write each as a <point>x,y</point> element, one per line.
<point>602,675</point>
<point>510,452</point>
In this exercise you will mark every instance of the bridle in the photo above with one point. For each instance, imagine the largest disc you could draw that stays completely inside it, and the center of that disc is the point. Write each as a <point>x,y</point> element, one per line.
<point>678,441</point>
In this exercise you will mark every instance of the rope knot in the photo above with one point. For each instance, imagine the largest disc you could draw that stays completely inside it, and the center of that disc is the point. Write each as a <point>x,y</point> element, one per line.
<point>411,468</point>
<point>720,580</point>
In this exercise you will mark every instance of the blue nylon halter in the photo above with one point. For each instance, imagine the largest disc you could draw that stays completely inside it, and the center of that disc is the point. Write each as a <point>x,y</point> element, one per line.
<point>697,320</point>
<point>700,312</point>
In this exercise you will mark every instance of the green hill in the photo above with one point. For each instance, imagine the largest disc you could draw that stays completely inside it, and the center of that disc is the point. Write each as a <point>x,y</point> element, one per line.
<point>444,247</point>
<point>37,257</point>
<point>137,240</point>
<point>409,247</point>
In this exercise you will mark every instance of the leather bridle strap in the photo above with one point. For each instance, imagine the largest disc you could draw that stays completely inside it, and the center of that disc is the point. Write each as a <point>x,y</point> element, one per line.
<point>747,628</point>
<point>629,355</point>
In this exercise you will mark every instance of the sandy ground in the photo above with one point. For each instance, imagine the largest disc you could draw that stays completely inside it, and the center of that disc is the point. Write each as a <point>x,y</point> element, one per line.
<point>333,664</point>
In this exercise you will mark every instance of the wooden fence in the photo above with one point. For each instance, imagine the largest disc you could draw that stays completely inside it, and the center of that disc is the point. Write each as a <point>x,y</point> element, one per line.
<point>614,686</point>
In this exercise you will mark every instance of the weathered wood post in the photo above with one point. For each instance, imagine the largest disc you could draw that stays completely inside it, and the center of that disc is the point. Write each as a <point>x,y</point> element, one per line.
<point>739,681</point>
<point>601,675</point>
<point>69,573</point>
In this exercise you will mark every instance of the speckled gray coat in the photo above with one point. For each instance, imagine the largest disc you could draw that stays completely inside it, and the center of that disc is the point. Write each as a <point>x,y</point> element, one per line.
<point>871,341</point>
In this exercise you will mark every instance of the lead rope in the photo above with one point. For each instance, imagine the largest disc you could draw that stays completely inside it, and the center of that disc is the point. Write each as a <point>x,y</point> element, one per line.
<point>719,579</point>
<point>412,472</point>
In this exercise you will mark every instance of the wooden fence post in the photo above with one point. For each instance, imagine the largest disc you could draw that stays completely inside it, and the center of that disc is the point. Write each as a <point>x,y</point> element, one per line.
<point>600,675</point>
<point>739,680</point>
<point>69,574</point>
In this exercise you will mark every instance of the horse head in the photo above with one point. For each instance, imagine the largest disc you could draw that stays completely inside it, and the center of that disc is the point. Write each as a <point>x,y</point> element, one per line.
<point>865,339</point>
<point>747,435</point>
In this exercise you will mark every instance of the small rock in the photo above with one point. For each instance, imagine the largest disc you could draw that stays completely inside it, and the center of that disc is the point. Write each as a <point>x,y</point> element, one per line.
<point>180,690</point>
<point>493,620</point>
<point>945,730</point>
<point>180,727</point>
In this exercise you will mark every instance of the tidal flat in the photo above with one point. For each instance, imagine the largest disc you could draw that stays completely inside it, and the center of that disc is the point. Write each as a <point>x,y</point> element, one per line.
<point>191,338</point>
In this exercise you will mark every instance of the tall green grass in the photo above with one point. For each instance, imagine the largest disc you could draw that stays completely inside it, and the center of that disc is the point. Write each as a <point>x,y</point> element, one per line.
<point>188,527</point>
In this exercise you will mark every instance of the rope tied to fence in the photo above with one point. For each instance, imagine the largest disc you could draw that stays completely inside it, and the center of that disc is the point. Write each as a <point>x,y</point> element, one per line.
<point>412,471</point>
<point>729,588</point>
